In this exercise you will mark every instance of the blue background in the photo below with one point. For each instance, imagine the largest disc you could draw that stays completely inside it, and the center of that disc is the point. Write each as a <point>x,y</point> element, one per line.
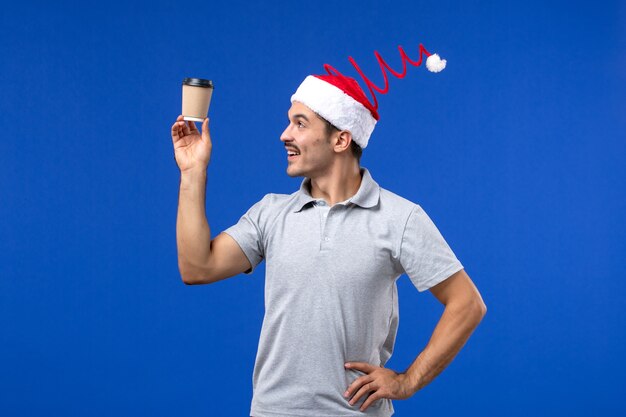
<point>516,151</point>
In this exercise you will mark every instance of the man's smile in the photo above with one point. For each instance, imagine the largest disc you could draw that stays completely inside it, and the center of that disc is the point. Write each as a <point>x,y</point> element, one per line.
<point>292,153</point>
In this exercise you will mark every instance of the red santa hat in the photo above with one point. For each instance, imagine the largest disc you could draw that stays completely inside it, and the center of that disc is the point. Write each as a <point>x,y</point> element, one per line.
<point>341,101</point>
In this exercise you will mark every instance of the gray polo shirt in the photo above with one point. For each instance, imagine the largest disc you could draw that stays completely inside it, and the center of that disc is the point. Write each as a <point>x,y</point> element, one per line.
<point>330,291</point>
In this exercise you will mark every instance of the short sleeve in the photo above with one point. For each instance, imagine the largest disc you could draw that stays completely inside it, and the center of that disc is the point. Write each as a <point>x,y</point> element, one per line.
<point>424,254</point>
<point>247,232</point>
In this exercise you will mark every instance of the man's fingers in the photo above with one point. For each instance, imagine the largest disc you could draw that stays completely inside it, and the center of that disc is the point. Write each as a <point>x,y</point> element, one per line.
<point>364,390</point>
<point>361,366</point>
<point>375,396</point>
<point>185,129</point>
<point>192,126</point>
<point>176,131</point>
<point>356,384</point>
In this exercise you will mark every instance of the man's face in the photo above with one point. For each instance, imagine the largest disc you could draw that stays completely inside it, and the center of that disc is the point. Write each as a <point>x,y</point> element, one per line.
<point>306,135</point>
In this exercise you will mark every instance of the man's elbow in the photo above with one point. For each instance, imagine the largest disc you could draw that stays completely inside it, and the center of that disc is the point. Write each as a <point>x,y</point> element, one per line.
<point>193,276</point>
<point>472,308</point>
<point>478,309</point>
<point>187,280</point>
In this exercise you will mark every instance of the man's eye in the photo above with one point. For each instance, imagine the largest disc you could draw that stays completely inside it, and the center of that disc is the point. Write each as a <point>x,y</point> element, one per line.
<point>300,124</point>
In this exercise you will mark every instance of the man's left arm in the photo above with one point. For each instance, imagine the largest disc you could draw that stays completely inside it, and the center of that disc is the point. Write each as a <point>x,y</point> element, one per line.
<point>464,309</point>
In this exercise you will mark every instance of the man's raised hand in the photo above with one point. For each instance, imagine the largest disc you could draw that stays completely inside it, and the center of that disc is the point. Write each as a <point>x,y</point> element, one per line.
<point>192,150</point>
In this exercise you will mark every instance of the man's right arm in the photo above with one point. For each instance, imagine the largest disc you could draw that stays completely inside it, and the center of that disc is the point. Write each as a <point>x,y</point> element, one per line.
<point>200,259</point>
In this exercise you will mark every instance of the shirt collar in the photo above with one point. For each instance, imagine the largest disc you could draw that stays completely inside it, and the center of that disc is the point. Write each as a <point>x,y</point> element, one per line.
<point>367,196</point>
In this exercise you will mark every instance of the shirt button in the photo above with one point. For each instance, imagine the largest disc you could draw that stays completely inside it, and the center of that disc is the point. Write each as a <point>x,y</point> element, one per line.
<point>326,238</point>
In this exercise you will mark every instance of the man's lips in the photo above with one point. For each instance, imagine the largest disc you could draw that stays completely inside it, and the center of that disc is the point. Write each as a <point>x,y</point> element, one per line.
<point>291,150</point>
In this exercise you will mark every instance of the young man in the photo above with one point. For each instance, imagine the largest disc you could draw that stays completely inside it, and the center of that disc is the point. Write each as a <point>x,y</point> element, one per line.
<point>334,250</point>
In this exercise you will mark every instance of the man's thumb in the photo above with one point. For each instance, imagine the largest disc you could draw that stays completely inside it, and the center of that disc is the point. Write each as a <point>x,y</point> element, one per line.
<point>205,129</point>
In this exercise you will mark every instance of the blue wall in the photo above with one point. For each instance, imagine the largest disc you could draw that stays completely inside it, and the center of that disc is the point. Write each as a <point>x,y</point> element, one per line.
<point>516,151</point>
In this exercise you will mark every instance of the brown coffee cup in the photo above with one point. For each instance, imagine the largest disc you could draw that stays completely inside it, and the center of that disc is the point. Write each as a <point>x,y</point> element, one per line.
<point>197,94</point>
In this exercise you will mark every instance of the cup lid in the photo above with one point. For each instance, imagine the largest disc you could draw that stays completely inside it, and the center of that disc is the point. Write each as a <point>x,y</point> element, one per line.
<point>198,82</point>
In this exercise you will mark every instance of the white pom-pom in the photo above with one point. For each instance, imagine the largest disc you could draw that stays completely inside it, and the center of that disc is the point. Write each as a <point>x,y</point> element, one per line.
<point>434,63</point>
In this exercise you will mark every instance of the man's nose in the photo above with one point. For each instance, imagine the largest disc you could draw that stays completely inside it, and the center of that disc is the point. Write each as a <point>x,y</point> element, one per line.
<point>285,136</point>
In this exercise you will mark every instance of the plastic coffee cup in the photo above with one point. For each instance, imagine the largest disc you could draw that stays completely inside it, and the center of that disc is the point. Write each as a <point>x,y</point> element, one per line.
<point>196,98</point>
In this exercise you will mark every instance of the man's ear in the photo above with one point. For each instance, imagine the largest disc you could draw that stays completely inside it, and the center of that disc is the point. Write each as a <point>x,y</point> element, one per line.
<point>344,138</point>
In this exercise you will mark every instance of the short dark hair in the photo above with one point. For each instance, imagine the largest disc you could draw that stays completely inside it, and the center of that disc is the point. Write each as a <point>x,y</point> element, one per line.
<point>357,151</point>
